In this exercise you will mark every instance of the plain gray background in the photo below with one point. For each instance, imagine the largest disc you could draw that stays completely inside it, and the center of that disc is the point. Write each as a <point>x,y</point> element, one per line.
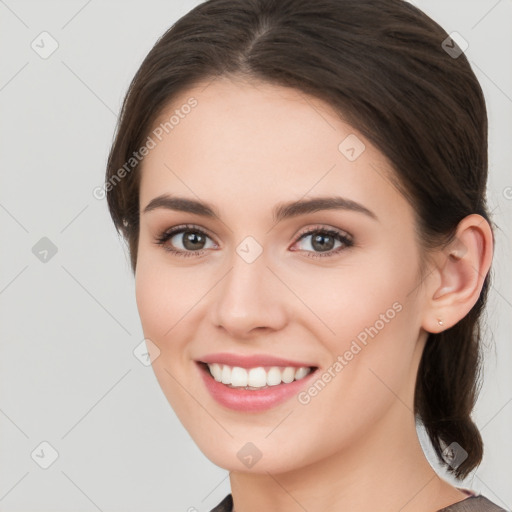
<point>69,324</point>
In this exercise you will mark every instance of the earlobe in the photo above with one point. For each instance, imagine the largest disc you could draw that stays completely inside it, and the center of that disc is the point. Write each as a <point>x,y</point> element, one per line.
<point>461,269</point>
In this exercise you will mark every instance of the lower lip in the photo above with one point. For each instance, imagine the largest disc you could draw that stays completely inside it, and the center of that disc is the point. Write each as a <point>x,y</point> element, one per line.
<point>245,400</point>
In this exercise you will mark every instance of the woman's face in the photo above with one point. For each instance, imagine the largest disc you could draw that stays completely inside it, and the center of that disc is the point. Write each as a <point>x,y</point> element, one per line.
<point>261,278</point>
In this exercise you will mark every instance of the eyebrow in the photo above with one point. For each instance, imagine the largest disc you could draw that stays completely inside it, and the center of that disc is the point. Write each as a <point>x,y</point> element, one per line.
<point>280,212</point>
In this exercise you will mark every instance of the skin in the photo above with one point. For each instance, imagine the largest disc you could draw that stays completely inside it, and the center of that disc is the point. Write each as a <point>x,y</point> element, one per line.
<point>244,148</point>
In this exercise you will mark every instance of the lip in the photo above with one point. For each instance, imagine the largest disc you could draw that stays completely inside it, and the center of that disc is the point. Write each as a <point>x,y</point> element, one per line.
<point>244,400</point>
<point>252,361</point>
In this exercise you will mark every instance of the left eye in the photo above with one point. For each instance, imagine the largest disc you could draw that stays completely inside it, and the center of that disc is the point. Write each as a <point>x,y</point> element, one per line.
<point>194,239</point>
<point>324,240</point>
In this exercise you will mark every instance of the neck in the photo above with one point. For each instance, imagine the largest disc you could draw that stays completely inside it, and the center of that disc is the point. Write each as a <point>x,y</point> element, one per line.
<point>385,470</point>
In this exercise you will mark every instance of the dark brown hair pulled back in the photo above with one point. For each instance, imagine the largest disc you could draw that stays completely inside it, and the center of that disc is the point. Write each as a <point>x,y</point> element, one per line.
<point>381,65</point>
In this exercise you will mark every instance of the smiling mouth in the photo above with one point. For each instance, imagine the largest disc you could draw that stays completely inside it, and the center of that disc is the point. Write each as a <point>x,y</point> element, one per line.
<point>257,378</point>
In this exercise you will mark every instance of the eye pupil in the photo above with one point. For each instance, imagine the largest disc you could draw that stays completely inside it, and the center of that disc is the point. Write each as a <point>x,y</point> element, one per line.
<point>318,242</point>
<point>191,239</point>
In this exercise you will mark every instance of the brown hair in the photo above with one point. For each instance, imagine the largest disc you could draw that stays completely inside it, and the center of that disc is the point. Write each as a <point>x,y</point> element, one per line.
<point>382,65</point>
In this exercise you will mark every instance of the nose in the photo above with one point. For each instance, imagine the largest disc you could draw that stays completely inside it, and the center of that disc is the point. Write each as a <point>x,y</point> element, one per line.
<point>249,299</point>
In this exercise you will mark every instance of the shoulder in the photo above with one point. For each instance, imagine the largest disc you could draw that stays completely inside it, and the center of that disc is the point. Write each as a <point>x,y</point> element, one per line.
<point>474,504</point>
<point>226,505</point>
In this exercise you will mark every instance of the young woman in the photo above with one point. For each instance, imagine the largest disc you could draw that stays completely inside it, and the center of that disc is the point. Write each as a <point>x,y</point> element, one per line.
<point>301,185</point>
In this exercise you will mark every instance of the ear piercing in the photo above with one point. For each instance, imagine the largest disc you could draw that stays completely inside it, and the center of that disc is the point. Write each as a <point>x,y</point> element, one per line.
<point>440,322</point>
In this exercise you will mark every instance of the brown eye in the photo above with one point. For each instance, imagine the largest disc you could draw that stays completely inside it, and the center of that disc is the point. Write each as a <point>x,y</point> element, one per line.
<point>323,242</point>
<point>191,240</point>
<point>183,240</point>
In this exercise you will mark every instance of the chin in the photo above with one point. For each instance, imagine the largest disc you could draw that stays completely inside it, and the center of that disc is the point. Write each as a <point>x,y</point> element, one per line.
<point>258,457</point>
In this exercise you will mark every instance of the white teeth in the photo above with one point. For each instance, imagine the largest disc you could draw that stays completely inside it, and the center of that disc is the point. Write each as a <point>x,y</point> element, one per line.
<point>216,371</point>
<point>301,372</point>
<point>226,375</point>
<point>256,378</point>
<point>274,376</point>
<point>239,377</point>
<point>288,374</point>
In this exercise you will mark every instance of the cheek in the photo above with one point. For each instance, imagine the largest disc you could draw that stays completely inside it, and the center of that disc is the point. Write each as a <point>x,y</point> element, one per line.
<point>151,301</point>
<point>164,303</point>
<point>165,299</point>
<point>346,300</point>
<point>368,316</point>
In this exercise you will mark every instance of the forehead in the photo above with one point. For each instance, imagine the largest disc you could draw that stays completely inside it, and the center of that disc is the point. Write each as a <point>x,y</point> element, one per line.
<point>261,142</point>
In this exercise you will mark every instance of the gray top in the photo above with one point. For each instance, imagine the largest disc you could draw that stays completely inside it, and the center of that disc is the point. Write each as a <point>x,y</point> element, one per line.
<point>474,504</point>
<point>471,504</point>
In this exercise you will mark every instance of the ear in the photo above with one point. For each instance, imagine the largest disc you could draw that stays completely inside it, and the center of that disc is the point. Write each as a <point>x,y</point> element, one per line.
<point>458,276</point>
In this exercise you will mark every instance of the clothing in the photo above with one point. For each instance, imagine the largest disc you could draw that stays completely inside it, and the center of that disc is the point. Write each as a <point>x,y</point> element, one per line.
<point>475,503</point>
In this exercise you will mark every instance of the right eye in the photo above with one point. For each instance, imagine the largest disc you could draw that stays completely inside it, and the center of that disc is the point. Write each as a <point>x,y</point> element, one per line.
<point>191,238</point>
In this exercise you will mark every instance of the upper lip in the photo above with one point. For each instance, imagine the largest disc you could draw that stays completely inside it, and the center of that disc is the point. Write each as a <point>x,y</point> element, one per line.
<point>252,361</point>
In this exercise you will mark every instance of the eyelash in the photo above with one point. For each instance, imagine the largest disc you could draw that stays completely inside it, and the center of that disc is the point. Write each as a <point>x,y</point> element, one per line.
<point>345,239</point>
